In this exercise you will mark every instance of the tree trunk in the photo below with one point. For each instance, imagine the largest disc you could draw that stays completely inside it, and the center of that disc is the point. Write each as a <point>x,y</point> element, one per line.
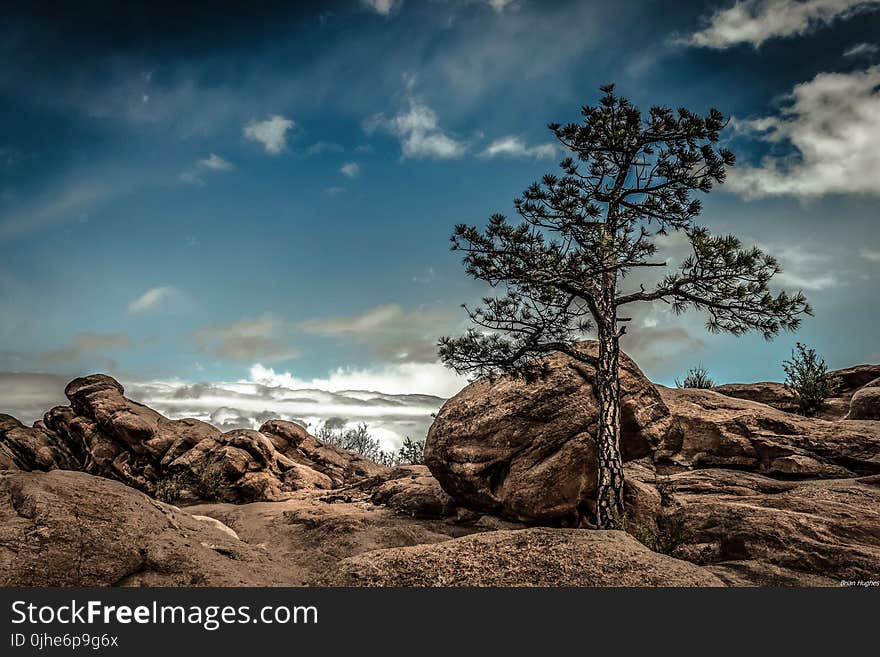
<point>609,495</point>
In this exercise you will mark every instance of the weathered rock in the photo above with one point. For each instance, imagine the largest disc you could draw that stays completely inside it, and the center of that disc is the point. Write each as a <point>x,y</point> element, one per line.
<point>188,459</point>
<point>525,557</point>
<point>527,451</point>
<point>413,490</point>
<point>756,530</point>
<point>865,403</point>
<point>341,466</point>
<point>721,431</point>
<point>313,530</point>
<point>120,438</point>
<point>64,528</point>
<point>33,448</point>
<point>773,394</point>
<point>853,378</point>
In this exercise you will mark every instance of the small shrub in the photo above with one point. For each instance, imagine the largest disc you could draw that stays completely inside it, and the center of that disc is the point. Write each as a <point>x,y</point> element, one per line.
<point>411,452</point>
<point>697,377</point>
<point>211,483</point>
<point>169,488</point>
<point>807,376</point>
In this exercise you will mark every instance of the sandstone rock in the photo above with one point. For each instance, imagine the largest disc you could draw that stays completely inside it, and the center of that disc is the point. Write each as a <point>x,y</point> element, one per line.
<point>721,431</point>
<point>341,466</point>
<point>188,459</point>
<point>853,378</point>
<point>64,528</point>
<point>413,490</point>
<point>752,529</point>
<point>865,403</point>
<point>313,530</point>
<point>525,557</point>
<point>527,451</point>
<point>771,393</point>
<point>32,448</point>
<point>120,438</point>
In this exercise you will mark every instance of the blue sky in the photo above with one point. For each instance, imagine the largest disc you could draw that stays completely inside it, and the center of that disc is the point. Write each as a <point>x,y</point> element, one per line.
<point>266,194</point>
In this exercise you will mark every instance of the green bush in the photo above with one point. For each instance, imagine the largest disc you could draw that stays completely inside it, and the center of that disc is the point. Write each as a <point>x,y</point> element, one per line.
<point>697,377</point>
<point>807,376</point>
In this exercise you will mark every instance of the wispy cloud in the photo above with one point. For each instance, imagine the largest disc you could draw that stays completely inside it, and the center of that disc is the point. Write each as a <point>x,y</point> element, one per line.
<point>350,169</point>
<point>418,129</point>
<point>151,299</point>
<point>803,267</point>
<point>246,340</point>
<point>369,322</point>
<point>871,255</point>
<point>271,133</point>
<point>383,7</point>
<point>514,146</point>
<point>87,343</point>
<point>69,204</point>
<point>832,124</point>
<point>756,21</point>
<point>862,50</point>
<point>394,333</point>
<point>194,175</point>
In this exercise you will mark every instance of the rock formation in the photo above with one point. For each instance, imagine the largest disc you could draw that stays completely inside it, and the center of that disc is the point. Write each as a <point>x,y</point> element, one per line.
<point>721,488</point>
<point>64,528</point>
<point>865,402</point>
<point>526,557</point>
<point>106,434</point>
<point>527,451</point>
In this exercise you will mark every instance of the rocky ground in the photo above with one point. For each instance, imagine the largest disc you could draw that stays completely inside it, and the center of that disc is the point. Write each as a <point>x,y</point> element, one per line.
<point>724,487</point>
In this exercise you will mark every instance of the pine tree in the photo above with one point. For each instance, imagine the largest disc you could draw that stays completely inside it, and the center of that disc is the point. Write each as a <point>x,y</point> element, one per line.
<point>629,179</point>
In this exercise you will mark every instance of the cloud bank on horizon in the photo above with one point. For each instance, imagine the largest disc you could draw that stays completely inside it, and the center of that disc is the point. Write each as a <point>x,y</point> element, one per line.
<point>267,203</point>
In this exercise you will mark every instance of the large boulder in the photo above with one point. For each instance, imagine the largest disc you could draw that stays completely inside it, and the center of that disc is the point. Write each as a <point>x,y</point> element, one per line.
<point>412,490</point>
<point>527,451</point>
<point>721,431</point>
<point>865,403</point>
<point>524,557</point>
<point>64,528</point>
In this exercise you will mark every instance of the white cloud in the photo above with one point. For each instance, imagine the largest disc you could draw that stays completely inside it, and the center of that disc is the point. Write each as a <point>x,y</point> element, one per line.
<point>803,267</point>
<point>351,169</point>
<point>193,175</point>
<point>832,123</point>
<point>271,133</point>
<point>514,146</point>
<point>870,255</point>
<point>756,21</point>
<point>399,379</point>
<point>419,133</point>
<point>216,163</point>
<point>862,50</point>
<point>499,5</point>
<point>383,7</point>
<point>151,298</point>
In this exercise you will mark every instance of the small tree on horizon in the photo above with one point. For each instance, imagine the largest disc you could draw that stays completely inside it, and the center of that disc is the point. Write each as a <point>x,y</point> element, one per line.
<point>630,178</point>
